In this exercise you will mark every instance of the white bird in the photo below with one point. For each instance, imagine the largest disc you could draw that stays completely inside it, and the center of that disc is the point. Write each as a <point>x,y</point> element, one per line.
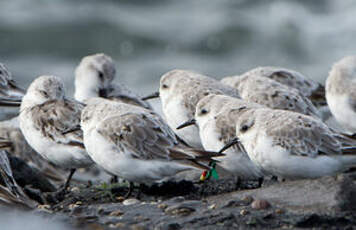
<point>136,144</point>
<point>10,93</point>
<point>94,78</point>
<point>180,91</point>
<point>292,145</point>
<point>341,92</point>
<point>309,88</point>
<point>216,118</point>
<point>45,118</point>
<point>272,94</point>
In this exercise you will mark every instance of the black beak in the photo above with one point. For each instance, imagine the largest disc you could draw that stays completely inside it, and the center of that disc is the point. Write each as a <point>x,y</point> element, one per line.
<point>151,96</point>
<point>4,143</point>
<point>229,144</point>
<point>103,93</point>
<point>9,101</point>
<point>16,89</point>
<point>187,123</point>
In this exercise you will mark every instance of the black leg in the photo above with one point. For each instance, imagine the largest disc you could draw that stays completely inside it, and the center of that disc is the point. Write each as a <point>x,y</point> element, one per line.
<point>260,182</point>
<point>60,194</point>
<point>66,185</point>
<point>238,183</point>
<point>114,180</point>
<point>140,188</point>
<point>131,188</point>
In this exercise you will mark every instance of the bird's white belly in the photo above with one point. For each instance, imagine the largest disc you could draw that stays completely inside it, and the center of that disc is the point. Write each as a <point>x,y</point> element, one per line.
<point>342,111</point>
<point>176,114</point>
<point>277,161</point>
<point>236,162</point>
<point>58,154</point>
<point>108,156</point>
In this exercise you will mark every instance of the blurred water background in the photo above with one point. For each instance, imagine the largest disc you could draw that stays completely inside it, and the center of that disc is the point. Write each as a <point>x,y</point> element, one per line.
<point>148,38</point>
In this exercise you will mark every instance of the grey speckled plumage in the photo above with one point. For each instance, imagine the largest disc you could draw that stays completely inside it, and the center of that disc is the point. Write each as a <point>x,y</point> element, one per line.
<point>309,88</point>
<point>131,135</point>
<point>292,145</point>
<point>180,92</point>
<point>274,95</point>
<point>54,118</point>
<point>10,92</point>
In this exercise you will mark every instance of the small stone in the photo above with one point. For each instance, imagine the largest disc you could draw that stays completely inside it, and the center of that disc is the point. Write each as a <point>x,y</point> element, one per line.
<point>119,225</point>
<point>75,189</point>
<point>120,198</point>
<point>162,206</point>
<point>243,212</point>
<point>181,211</point>
<point>44,206</point>
<point>260,204</point>
<point>247,199</point>
<point>279,211</point>
<point>78,203</point>
<point>72,206</point>
<point>116,213</point>
<point>131,201</point>
<point>213,206</point>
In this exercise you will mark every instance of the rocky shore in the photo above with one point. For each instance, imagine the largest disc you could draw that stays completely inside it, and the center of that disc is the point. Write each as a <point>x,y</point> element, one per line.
<point>325,203</point>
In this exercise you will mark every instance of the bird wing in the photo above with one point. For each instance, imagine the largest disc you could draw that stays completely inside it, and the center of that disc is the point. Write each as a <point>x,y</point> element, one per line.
<point>54,119</point>
<point>301,135</point>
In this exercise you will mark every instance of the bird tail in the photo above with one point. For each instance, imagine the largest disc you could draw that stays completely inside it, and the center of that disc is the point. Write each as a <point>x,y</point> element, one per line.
<point>349,156</point>
<point>199,159</point>
<point>318,96</point>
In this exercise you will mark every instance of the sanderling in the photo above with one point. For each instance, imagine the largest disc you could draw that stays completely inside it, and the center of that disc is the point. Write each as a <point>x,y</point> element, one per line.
<point>341,92</point>
<point>135,143</point>
<point>13,141</point>
<point>216,118</point>
<point>274,95</point>
<point>180,91</point>
<point>291,145</point>
<point>45,118</point>
<point>10,93</point>
<point>94,78</point>
<point>309,88</point>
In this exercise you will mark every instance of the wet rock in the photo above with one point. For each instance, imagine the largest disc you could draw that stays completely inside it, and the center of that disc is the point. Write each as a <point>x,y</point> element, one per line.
<point>26,175</point>
<point>323,195</point>
<point>168,226</point>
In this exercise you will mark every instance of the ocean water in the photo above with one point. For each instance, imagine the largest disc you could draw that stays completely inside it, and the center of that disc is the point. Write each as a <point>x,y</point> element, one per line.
<point>148,38</point>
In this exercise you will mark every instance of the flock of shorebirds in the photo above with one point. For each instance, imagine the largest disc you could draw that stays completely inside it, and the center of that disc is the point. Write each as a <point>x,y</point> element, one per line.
<point>265,122</point>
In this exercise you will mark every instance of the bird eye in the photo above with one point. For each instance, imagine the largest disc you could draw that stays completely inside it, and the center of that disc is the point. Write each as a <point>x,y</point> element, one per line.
<point>164,86</point>
<point>101,75</point>
<point>204,111</point>
<point>44,93</point>
<point>244,128</point>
